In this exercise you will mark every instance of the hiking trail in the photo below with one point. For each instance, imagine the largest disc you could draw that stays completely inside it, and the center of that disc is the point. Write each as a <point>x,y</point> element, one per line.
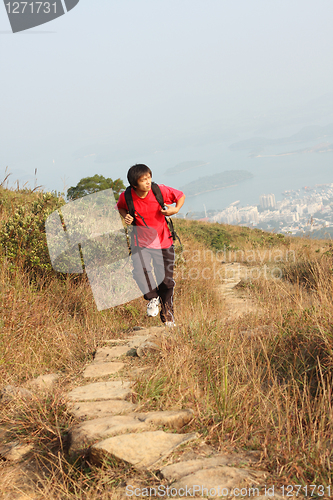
<point>110,426</point>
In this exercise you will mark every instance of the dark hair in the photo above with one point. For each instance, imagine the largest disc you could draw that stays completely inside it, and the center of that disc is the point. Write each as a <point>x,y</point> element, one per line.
<point>136,172</point>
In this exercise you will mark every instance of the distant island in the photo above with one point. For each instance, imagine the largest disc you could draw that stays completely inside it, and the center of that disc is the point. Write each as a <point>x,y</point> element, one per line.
<point>323,147</point>
<point>185,165</point>
<point>215,182</point>
<point>257,144</point>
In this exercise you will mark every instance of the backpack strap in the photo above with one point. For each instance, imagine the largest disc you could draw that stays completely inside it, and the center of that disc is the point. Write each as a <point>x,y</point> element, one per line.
<point>173,231</point>
<point>129,202</point>
<point>157,193</point>
<point>159,197</point>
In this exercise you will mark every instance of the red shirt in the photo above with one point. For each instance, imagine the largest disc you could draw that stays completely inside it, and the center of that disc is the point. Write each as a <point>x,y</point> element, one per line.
<point>150,210</point>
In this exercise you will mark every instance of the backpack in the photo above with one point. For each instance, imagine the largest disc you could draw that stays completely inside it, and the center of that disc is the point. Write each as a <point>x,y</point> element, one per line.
<point>159,197</point>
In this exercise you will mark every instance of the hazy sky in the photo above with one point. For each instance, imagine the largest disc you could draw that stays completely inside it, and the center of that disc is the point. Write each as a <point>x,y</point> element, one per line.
<point>128,81</point>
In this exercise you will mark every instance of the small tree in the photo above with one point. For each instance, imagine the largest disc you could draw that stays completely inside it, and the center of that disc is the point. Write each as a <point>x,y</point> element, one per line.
<point>89,185</point>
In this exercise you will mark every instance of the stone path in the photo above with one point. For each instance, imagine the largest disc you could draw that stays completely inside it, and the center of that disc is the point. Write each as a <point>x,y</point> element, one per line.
<point>237,301</point>
<point>111,428</point>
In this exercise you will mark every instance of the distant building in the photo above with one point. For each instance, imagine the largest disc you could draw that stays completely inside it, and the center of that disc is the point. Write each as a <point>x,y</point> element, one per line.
<point>267,201</point>
<point>249,214</point>
<point>293,217</point>
<point>314,207</point>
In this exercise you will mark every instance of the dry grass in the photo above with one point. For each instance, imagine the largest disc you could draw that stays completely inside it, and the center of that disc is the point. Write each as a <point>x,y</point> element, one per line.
<point>262,381</point>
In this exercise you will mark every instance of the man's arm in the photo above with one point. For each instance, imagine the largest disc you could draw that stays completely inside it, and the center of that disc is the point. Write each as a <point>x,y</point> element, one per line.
<point>174,210</point>
<point>126,216</point>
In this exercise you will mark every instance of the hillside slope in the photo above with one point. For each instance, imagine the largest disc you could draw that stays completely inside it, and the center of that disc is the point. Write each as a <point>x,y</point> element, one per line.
<point>258,380</point>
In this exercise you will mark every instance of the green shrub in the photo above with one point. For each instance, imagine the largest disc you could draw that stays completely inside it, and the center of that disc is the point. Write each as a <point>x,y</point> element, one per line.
<point>22,235</point>
<point>213,235</point>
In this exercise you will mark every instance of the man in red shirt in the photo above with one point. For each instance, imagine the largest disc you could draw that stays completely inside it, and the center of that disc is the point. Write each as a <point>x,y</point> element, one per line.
<point>158,248</point>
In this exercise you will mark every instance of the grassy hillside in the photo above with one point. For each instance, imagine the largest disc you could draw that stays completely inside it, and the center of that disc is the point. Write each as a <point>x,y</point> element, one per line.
<point>262,381</point>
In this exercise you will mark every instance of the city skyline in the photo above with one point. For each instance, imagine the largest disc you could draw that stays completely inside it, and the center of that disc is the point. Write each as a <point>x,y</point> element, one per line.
<point>295,214</point>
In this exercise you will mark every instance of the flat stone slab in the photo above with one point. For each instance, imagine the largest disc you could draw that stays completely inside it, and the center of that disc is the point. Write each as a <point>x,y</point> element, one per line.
<point>154,330</point>
<point>218,478</point>
<point>117,341</point>
<point>141,450</point>
<point>10,392</point>
<point>14,451</point>
<point>105,354</point>
<point>174,419</point>
<point>269,497</point>
<point>101,391</point>
<point>146,347</point>
<point>151,330</point>
<point>178,470</point>
<point>83,435</point>
<point>98,409</point>
<point>252,495</point>
<point>137,340</point>
<point>102,369</point>
<point>44,382</point>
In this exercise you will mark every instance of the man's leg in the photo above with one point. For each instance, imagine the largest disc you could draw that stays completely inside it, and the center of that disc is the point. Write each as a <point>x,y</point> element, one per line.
<point>164,264</point>
<point>142,272</point>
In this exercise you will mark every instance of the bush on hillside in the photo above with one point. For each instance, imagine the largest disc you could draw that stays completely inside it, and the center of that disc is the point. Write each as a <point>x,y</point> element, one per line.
<point>22,235</point>
<point>213,235</point>
<point>226,237</point>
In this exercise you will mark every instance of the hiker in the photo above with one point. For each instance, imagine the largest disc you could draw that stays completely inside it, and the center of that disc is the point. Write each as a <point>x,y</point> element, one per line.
<point>153,240</point>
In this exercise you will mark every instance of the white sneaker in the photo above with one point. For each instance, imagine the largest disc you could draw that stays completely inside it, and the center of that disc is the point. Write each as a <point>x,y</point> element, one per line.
<point>152,307</point>
<point>170,324</point>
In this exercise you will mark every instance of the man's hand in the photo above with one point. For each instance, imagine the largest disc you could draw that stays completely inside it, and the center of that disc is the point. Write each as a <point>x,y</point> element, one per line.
<point>169,210</point>
<point>126,216</point>
<point>174,210</point>
<point>128,219</point>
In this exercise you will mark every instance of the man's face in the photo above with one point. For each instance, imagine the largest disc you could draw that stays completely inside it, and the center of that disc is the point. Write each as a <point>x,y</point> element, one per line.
<point>144,183</point>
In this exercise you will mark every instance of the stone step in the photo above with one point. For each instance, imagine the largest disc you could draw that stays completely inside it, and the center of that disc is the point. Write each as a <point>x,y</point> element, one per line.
<point>174,419</point>
<point>98,409</point>
<point>14,451</point>
<point>137,340</point>
<point>114,342</point>
<point>142,335</point>
<point>105,354</point>
<point>219,481</point>
<point>83,435</point>
<point>44,382</point>
<point>147,347</point>
<point>102,369</point>
<point>101,390</point>
<point>177,470</point>
<point>153,330</point>
<point>143,450</point>
<point>10,392</point>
